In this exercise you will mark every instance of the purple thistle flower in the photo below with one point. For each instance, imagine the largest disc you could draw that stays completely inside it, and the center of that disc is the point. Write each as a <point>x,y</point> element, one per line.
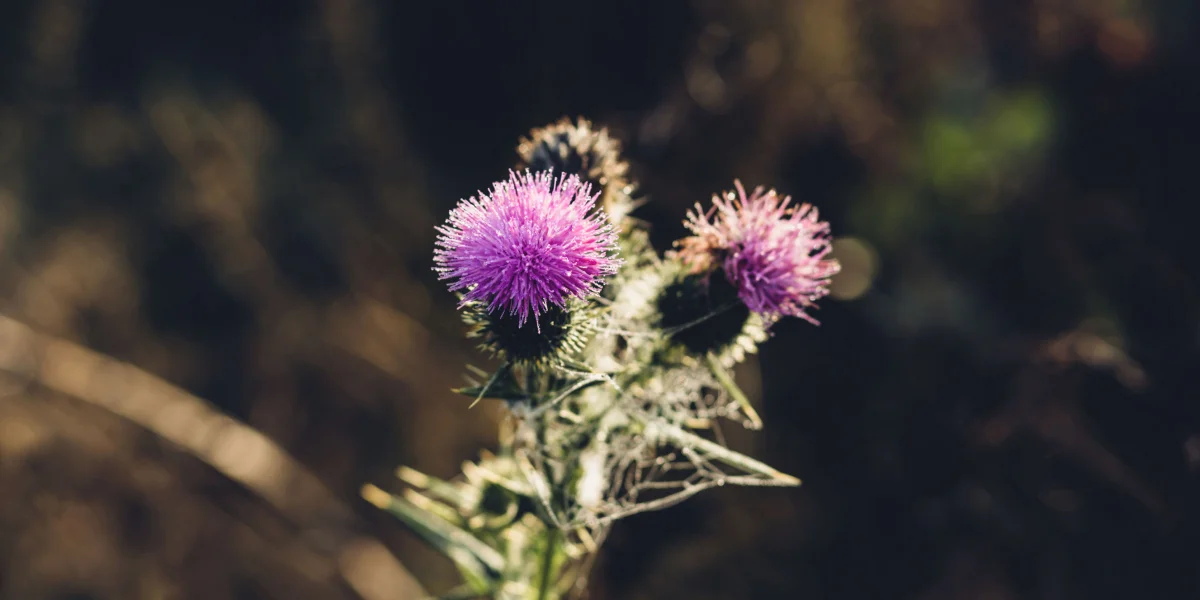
<point>772,251</point>
<point>535,240</point>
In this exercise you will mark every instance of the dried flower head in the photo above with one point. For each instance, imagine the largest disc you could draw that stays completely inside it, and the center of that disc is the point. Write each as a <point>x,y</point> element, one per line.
<point>533,242</point>
<point>577,148</point>
<point>772,251</point>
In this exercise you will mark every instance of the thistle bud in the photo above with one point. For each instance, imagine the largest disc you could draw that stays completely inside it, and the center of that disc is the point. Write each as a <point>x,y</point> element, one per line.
<point>577,149</point>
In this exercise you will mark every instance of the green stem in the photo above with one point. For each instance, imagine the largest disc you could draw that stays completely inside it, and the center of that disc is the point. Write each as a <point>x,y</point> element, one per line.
<point>544,591</point>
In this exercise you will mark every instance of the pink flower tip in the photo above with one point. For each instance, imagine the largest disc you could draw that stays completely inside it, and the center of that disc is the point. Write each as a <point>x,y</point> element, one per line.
<point>774,252</point>
<point>534,241</point>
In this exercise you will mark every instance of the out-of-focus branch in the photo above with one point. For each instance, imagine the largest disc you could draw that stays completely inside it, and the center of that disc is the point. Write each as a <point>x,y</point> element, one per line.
<point>230,447</point>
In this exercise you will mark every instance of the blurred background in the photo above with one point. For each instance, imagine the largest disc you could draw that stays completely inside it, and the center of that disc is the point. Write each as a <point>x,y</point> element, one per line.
<point>218,317</point>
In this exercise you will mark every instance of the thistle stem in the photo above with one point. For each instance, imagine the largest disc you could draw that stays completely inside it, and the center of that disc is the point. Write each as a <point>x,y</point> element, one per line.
<point>547,577</point>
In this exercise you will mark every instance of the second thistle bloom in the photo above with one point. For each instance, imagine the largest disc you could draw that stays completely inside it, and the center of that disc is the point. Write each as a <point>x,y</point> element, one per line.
<point>533,242</point>
<point>772,251</point>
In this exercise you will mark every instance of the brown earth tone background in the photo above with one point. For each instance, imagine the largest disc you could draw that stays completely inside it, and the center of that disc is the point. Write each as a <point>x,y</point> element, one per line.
<point>218,318</point>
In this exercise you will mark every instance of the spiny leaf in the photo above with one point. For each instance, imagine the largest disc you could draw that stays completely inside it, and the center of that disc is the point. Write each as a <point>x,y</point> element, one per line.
<point>479,563</point>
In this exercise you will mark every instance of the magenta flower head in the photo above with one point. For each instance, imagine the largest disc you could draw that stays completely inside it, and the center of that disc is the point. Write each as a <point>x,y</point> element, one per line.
<point>533,242</point>
<point>771,250</point>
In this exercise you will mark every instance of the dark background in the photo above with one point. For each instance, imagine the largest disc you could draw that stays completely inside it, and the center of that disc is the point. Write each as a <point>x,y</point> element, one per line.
<point>239,196</point>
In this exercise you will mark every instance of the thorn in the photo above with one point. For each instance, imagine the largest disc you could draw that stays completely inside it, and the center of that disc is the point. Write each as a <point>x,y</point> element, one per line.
<point>376,496</point>
<point>412,477</point>
<point>786,479</point>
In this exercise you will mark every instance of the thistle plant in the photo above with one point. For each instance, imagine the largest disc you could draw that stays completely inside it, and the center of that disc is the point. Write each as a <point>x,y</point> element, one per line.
<point>615,361</point>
